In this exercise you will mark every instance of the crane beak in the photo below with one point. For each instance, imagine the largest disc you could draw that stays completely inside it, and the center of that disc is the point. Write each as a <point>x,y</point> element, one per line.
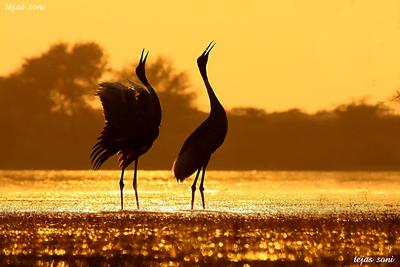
<point>143,58</point>
<point>202,60</point>
<point>208,49</point>
<point>140,69</point>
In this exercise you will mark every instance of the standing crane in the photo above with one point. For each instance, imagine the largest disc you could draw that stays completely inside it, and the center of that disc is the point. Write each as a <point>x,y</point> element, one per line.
<point>198,147</point>
<point>132,122</point>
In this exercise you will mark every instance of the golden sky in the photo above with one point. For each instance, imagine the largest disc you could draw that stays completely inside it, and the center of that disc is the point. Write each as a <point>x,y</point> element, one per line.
<point>270,54</point>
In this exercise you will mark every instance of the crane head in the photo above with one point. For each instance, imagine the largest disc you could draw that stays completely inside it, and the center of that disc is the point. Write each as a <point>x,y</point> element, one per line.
<point>140,69</point>
<point>203,58</point>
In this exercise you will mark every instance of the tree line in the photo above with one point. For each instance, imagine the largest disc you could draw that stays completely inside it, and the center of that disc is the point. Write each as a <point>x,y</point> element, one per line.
<point>50,119</point>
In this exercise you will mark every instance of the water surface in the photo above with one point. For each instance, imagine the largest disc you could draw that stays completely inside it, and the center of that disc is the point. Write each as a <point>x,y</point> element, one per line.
<point>252,219</point>
<point>231,191</point>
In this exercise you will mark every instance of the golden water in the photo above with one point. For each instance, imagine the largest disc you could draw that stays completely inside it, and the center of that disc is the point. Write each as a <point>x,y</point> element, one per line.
<point>299,218</point>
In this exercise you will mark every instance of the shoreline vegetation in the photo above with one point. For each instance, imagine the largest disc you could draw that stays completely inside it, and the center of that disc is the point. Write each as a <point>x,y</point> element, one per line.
<point>50,120</point>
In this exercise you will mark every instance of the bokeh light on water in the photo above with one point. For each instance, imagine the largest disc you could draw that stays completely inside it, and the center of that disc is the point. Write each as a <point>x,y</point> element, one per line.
<point>298,218</point>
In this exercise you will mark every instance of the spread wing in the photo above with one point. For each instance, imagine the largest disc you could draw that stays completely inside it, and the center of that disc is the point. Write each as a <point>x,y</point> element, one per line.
<point>125,119</point>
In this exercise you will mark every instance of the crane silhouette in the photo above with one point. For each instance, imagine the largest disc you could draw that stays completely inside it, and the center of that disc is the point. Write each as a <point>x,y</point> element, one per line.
<point>132,121</point>
<point>198,147</point>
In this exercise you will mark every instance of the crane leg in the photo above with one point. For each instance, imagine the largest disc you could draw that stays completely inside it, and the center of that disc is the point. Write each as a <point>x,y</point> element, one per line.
<point>134,183</point>
<point>201,188</point>
<point>121,188</point>
<point>194,187</point>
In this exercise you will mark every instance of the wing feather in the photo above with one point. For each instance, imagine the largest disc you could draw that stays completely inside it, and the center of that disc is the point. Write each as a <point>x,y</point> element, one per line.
<point>194,153</point>
<point>125,120</point>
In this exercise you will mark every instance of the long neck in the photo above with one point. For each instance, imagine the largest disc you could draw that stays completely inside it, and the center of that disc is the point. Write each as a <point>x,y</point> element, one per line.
<point>214,103</point>
<point>156,103</point>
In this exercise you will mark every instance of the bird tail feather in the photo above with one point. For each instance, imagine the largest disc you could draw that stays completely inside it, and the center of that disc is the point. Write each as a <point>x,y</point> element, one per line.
<point>183,167</point>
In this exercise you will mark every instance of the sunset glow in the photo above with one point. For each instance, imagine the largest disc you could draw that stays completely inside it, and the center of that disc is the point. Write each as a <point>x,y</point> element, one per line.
<point>270,54</point>
<point>199,133</point>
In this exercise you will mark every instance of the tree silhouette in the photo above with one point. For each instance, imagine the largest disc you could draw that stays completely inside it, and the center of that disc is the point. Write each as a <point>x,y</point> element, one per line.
<point>43,106</point>
<point>48,121</point>
<point>60,80</point>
